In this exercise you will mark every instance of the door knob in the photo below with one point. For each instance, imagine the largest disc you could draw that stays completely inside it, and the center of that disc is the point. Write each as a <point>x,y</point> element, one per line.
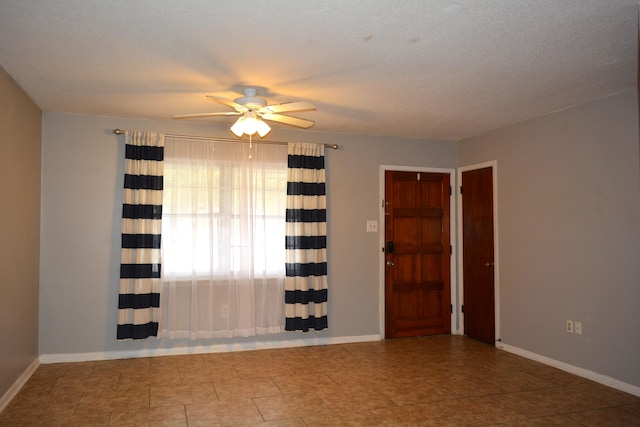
<point>488,264</point>
<point>390,263</point>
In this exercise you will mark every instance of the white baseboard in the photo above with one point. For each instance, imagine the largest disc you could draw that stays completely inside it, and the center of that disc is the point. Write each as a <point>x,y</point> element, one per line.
<point>581,372</point>
<point>20,382</point>
<point>214,348</point>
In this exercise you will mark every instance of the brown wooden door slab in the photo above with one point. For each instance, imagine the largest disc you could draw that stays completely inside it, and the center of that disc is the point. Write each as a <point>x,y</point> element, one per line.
<point>417,254</point>
<point>478,254</point>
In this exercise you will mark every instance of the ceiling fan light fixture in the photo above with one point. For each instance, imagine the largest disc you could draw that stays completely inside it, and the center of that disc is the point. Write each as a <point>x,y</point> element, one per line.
<point>238,127</point>
<point>262,127</point>
<point>249,124</point>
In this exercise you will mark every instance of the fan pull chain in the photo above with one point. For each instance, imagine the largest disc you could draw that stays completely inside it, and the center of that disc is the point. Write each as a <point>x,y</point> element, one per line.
<point>250,148</point>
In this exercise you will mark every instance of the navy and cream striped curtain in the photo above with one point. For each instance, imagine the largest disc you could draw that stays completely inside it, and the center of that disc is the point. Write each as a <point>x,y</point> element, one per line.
<point>139,299</point>
<point>306,239</point>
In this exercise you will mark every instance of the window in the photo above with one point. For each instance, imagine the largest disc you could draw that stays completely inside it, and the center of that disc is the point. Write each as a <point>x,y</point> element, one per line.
<point>223,231</point>
<point>215,216</point>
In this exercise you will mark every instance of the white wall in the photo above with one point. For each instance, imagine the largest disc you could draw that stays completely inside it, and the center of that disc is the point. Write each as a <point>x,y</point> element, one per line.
<point>82,186</point>
<point>569,233</point>
<point>20,124</point>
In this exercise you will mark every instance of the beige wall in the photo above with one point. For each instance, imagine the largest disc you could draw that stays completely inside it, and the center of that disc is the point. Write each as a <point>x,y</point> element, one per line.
<point>569,233</point>
<point>20,136</point>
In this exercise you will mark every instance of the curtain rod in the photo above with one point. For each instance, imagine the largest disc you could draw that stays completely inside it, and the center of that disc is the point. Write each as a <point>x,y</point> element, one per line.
<point>122,132</point>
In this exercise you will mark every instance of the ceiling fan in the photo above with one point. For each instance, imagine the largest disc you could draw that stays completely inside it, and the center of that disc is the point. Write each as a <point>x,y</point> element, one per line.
<point>253,110</point>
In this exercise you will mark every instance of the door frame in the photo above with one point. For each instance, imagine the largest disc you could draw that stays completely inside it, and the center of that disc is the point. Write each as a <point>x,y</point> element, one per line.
<point>493,164</point>
<point>381,240</point>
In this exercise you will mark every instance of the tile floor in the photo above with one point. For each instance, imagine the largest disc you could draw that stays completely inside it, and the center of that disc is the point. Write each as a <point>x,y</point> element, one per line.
<point>439,381</point>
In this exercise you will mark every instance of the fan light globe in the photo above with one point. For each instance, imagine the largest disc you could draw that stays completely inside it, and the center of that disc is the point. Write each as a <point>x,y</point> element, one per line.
<point>249,124</point>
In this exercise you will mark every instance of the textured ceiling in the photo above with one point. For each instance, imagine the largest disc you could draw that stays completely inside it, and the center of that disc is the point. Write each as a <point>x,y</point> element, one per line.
<point>428,69</point>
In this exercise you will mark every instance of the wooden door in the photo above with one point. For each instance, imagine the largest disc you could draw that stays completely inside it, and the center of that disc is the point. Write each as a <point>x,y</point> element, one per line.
<point>478,255</point>
<point>417,254</point>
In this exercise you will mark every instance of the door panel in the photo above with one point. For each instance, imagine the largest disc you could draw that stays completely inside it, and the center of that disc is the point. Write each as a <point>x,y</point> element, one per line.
<point>417,274</point>
<point>478,254</point>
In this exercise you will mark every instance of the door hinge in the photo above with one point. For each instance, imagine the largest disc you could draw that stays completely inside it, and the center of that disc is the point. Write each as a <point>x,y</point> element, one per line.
<point>462,308</point>
<point>461,189</point>
<point>450,250</point>
<point>451,307</point>
<point>450,191</point>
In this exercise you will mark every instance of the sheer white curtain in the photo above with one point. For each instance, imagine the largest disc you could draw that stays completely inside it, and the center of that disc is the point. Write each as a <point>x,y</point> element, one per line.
<point>223,234</point>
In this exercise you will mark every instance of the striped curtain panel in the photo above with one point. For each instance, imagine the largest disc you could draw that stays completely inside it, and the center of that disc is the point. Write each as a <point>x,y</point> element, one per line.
<point>139,299</point>
<point>306,239</point>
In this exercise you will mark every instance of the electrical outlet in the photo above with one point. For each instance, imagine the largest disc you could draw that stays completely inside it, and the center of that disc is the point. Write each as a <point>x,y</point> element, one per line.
<point>372,226</point>
<point>570,326</point>
<point>577,327</point>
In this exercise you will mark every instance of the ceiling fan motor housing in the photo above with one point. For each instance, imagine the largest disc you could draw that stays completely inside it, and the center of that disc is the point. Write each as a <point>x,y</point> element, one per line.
<point>250,100</point>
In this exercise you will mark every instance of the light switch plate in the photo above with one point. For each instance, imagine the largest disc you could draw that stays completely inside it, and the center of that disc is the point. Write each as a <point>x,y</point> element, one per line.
<point>372,226</point>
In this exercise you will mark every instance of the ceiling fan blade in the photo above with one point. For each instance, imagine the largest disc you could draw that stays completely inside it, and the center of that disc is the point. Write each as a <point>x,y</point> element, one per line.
<point>238,107</point>
<point>289,107</point>
<point>194,116</point>
<point>288,120</point>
